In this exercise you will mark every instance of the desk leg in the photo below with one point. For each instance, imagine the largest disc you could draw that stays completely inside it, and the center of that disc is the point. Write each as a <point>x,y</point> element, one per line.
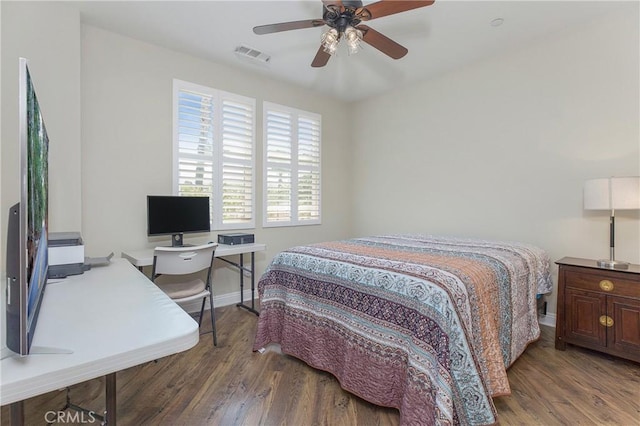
<point>110,394</point>
<point>253,280</point>
<point>241,279</point>
<point>17,413</point>
<point>242,269</point>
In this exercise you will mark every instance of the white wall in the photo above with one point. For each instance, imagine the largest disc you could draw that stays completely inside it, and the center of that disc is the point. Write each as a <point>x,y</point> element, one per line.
<point>501,148</point>
<point>127,144</point>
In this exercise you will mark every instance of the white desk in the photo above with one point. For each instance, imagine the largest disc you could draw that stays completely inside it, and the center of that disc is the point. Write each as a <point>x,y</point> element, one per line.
<point>141,258</point>
<point>112,318</point>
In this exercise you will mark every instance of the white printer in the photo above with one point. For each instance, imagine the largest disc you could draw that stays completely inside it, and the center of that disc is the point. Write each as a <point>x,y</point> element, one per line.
<point>66,254</point>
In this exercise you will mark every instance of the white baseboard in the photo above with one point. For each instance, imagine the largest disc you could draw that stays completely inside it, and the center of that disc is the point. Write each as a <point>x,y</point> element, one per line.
<point>549,320</point>
<point>218,301</point>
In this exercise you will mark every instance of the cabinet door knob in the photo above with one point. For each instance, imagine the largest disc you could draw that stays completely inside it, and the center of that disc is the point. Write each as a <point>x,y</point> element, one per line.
<point>606,320</point>
<point>606,285</point>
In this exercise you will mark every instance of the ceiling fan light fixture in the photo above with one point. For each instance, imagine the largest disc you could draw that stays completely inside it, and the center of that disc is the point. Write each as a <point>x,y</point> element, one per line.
<point>353,37</point>
<point>330,41</point>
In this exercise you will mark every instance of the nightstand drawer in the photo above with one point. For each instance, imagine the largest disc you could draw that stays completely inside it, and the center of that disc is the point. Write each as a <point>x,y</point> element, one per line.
<point>597,282</point>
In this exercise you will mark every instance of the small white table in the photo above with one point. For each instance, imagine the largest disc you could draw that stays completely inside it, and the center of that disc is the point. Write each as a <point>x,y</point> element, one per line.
<point>112,318</point>
<point>141,258</point>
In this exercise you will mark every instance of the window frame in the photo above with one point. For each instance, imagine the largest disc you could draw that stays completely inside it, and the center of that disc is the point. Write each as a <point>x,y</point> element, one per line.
<point>217,158</point>
<point>296,114</point>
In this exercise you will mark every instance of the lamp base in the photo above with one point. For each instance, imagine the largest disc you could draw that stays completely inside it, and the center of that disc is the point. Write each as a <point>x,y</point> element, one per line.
<point>613,264</point>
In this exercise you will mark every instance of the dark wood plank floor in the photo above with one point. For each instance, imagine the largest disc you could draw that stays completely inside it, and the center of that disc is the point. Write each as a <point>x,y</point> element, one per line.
<point>231,385</point>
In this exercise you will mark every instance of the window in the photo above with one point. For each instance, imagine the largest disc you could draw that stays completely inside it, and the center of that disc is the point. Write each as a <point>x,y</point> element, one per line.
<point>291,166</point>
<point>214,152</point>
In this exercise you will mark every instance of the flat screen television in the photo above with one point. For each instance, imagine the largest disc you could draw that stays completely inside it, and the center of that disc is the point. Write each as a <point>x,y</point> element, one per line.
<point>27,254</point>
<point>176,216</point>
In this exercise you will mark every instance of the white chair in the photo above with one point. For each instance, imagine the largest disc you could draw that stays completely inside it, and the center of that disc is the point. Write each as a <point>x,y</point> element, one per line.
<point>175,271</point>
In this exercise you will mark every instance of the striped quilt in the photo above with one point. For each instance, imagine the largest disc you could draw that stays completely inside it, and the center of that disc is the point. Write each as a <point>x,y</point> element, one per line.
<point>425,324</point>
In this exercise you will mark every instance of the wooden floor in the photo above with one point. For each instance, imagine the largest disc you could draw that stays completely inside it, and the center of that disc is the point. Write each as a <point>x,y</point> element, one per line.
<point>231,385</point>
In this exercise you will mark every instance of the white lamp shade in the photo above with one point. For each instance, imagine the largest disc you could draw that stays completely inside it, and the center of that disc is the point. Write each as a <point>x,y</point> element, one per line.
<point>615,193</point>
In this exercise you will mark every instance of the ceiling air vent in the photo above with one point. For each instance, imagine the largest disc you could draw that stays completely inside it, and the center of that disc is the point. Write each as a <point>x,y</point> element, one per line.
<point>252,55</point>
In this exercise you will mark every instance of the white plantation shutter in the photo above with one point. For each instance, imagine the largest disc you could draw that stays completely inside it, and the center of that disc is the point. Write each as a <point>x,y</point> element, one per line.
<point>214,152</point>
<point>278,190</point>
<point>237,161</point>
<point>308,169</point>
<point>291,166</point>
<point>195,144</point>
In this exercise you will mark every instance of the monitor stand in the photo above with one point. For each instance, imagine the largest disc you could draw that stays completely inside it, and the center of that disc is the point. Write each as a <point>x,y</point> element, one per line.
<point>176,240</point>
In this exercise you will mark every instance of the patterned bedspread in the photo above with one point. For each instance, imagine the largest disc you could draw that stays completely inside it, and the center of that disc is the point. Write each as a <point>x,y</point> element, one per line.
<point>425,324</point>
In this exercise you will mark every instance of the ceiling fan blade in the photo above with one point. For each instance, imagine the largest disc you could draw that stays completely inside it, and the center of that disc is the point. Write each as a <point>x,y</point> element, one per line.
<point>382,42</point>
<point>321,58</point>
<point>390,7</point>
<point>287,26</point>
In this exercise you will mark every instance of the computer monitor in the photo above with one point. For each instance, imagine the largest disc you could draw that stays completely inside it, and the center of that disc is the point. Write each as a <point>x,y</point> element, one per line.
<point>177,215</point>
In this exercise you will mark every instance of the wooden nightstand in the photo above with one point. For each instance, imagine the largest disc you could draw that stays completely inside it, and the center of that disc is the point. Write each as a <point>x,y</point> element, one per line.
<point>598,308</point>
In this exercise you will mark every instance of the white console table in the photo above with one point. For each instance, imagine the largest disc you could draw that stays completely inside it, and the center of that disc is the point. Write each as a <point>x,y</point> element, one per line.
<point>141,258</point>
<point>111,318</point>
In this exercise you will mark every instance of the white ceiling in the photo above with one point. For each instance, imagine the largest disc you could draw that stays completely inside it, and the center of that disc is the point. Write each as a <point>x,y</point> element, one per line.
<point>441,37</point>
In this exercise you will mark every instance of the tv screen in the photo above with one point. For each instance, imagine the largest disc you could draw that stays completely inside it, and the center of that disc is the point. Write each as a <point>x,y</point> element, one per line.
<point>175,215</point>
<point>27,254</point>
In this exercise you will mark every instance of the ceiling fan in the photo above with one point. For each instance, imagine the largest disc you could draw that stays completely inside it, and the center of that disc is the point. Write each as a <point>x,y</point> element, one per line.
<point>344,18</point>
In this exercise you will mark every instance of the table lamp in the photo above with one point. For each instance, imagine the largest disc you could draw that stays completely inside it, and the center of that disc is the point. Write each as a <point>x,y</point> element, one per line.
<point>614,193</point>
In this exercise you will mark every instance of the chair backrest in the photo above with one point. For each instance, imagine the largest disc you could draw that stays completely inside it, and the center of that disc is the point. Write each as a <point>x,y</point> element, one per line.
<point>182,260</point>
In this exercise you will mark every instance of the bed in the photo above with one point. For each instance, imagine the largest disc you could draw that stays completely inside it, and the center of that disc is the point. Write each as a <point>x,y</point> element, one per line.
<point>425,324</point>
